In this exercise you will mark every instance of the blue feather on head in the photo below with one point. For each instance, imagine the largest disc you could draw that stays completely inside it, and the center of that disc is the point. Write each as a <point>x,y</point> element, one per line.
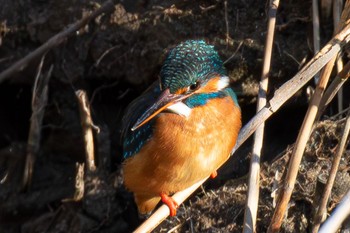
<point>189,62</point>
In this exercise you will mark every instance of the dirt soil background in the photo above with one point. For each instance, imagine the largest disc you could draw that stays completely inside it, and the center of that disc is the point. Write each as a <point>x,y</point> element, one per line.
<point>114,58</point>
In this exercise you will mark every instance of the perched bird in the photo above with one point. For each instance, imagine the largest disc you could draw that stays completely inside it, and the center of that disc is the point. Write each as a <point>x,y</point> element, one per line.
<point>182,128</point>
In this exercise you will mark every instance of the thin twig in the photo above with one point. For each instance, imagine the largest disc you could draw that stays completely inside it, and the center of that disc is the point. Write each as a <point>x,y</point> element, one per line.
<point>254,174</point>
<point>234,54</point>
<point>285,92</point>
<point>304,133</point>
<point>333,89</point>
<point>327,191</point>
<point>332,224</point>
<point>100,88</point>
<point>105,53</point>
<point>39,101</point>
<point>54,41</point>
<point>86,124</point>
<point>334,117</point>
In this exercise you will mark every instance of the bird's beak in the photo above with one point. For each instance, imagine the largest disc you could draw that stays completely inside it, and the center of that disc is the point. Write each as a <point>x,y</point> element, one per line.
<point>165,101</point>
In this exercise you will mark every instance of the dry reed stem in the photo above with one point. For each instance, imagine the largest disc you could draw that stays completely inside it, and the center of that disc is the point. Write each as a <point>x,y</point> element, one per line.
<point>54,41</point>
<point>288,89</point>
<point>39,101</point>
<point>288,186</point>
<point>335,164</point>
<point>254,174</point>
<point>333,89</point>
<point>298,150</point>
<point>333,223</point>
<point>281,95</point>
<point>87,125</point>
<point>337,9</point>
<point>316,31</point>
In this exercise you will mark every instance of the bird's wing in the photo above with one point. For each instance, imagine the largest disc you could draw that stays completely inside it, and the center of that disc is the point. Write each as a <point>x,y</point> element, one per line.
<point>132,141</point>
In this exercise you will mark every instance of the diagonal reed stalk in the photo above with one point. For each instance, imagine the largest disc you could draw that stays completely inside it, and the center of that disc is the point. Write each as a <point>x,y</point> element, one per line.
<point>303,136</point>
<point>335,164</point>
<point>285,92</point>
<point>342,211</point>
<point>294,163</point>
<point>333,88</point>
<point>54,41</point>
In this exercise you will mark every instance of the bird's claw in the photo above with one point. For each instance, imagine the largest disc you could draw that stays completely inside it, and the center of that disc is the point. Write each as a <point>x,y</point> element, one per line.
<point>171,203</point>
<point>214,174</point>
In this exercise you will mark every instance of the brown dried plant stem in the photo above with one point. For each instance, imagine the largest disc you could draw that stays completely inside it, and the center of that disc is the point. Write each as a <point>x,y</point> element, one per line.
<point>286,91</point>
<point>86,124</point>
<point>39,101</point>
<point>336,160</point>
<point>288,186</point>
<point>338,216</point>
<point>254,174</point>
<point>337,9</point>
<point>316,30</point>
<point>333,88</point>
<point>298,151</point>
<point>54,41</point>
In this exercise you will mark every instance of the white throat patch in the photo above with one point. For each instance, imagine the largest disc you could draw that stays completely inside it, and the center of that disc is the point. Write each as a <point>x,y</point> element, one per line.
<point>223,82</point>
<point>180,108</point>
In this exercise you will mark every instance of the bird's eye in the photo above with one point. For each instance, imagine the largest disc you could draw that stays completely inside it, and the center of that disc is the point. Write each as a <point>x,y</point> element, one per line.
<point>194,86</point>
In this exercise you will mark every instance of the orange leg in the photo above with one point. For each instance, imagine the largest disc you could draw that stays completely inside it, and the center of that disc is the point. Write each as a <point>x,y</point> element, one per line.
<point>214,174</point>
<point>170,203</point>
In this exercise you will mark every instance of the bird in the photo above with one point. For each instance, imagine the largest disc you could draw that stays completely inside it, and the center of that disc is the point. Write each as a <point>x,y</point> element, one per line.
<point>181,129</point>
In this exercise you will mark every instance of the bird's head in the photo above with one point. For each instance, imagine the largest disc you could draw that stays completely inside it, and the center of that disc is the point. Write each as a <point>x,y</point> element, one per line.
<point>191,68</point>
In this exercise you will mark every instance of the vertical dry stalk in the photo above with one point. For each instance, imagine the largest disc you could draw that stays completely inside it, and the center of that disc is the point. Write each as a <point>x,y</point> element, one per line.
<point>39,101</point>
<point>337,8</point>
<point>293,168</point>
<point>316,31</point>
<point>338,216</point>
<point>289,88</point>
<point>254,177</point>
<point>86,124</point>
<point>288,186</point>
<point>333,89</point>
<point>327,191</point>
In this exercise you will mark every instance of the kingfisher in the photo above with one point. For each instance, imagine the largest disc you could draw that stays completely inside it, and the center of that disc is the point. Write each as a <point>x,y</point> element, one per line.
<point>181,129</point>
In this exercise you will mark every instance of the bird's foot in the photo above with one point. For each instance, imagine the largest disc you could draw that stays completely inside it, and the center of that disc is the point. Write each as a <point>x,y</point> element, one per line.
<point>214,174</point>
<point>171,203</point>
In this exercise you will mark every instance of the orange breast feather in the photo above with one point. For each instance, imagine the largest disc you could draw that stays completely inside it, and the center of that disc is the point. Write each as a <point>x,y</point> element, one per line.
<point>182,151</point>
